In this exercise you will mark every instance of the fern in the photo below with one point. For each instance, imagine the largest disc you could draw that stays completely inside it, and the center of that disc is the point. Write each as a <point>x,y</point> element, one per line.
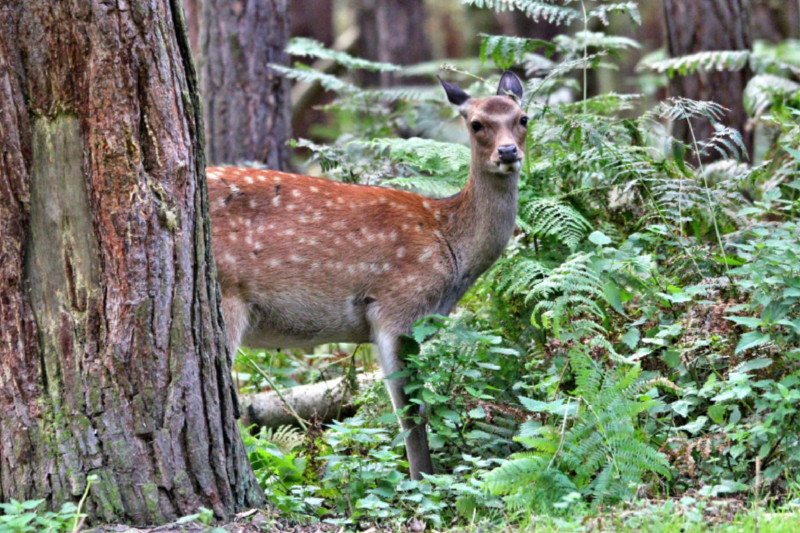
<point>550,218</point>
<point>717,60</point>
<point>305,47</point>
<point>507,51</point>
<point>305,74</point>
<point>765,90</point>
<point>533,9</point>
<point>582,39</point>
<point>629,8</point>
<point>600,453</point>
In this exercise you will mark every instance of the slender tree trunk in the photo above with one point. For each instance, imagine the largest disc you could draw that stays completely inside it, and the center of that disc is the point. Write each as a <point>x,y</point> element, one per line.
<point>702,25</point>
<point>776,20</point>
<point>392,31</point>
<point>113,357</point>
<point>191,11</point>
<point>246,102</point>
<point>313,19</point>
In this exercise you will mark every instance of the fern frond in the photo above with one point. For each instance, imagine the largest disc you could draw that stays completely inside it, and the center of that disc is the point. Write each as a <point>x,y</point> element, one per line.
<point>507,51</point>
<point>629,8</point>
<point>532,8</point>
<point>766,90</point>
<point>550,218</point>
<point>329,82</point>
<point>305,47</point>
<point>717,60</point>
<point>594,39</point>
<point>434,157</point>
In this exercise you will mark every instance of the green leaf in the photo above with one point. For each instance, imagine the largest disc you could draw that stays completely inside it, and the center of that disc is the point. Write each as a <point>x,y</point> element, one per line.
<point>631,338</point>
<point>717,412</point>
<point>599,238</point>
<point>749,321</point>
<point>696,426</point>
<point>754,364</point>
<point>751,340</point>
<point>612,296</point>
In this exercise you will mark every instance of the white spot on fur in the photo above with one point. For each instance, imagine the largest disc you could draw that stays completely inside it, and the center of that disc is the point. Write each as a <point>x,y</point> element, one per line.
<point>260,229</point>
<point>291,207</point>
<point>249,180</point>
<point>313,189</point>
<point>229,259</point>
<point>328,204</point>
<point>253,204</point>
<point>234,189</point>
<point>401,252</point>
<point>274,263</point>
<point>261,177</point>
<point>383,200</point>
<point>295,258</point>
<point>426,205</point>
<point>425,255</point>
<point>276,201</point>
<point>276,179</point>
<point>340,200</point>
<point>393,236</point>
<point>288,232</point>
<point>296,193</point>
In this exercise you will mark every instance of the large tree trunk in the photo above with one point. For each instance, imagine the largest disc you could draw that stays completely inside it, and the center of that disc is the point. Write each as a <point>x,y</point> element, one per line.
<point>392,31</point>
<point>113,355</point>
<point>245,102</point>
<point>702,25</point>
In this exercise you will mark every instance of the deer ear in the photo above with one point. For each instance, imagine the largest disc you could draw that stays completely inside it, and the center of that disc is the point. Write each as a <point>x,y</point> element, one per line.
<point>455,95</point>
<point>510,84</point>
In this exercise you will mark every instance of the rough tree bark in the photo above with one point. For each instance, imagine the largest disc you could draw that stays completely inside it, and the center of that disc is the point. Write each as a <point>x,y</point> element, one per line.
<point>392,31</point>
<point>245,102</point>
<point>702,25</point>
<point>113,356</point>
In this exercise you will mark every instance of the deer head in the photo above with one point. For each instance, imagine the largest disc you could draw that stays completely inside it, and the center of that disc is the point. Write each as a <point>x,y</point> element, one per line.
<point>497,125</point>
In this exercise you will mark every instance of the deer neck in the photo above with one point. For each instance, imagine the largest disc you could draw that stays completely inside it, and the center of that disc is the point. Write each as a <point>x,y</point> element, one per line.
<point>480,220</point>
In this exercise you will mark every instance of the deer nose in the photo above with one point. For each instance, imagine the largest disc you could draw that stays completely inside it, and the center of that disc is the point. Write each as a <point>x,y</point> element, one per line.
<point>507,153</point>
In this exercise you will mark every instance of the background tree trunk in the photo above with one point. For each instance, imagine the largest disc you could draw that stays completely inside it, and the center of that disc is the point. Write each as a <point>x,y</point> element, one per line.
<point>702,25</point>
<point>245,102</point>
<point>313,19</point>
<point>392,31</point>
<point>775,20</point>
<point>112,349</point>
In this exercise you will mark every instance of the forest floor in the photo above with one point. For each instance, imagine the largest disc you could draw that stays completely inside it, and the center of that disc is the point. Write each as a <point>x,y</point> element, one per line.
<point>714,515</point>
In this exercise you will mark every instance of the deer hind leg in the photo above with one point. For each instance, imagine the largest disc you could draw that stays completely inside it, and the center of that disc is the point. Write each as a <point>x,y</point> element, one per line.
<point>236,315</point>
<point>419,456</point>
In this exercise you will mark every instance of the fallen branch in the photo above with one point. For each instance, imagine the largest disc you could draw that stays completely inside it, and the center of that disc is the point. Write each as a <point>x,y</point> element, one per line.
<point>329,400</point>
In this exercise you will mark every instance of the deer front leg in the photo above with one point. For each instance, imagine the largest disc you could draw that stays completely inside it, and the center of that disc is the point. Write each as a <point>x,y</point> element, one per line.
<point>236,316</point>
<point>417,452</point>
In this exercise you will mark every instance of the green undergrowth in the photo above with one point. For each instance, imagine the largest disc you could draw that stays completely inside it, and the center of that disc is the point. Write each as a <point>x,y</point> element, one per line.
<point>638,341</point>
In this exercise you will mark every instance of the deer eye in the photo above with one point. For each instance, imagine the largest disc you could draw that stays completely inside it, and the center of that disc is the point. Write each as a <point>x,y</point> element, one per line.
<point>476,126</point>
<point>523,122</point>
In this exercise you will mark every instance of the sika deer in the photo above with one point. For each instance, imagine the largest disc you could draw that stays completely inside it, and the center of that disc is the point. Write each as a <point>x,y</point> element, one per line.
<point>305,261</point>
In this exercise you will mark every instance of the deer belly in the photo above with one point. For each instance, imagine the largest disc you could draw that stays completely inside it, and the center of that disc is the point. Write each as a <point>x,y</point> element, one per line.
<point>291,322</point>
